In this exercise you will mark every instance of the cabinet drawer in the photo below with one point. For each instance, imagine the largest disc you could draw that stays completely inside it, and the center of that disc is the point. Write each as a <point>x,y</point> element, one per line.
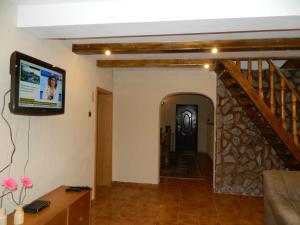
<point>59,219</point>
<point>79,212</point>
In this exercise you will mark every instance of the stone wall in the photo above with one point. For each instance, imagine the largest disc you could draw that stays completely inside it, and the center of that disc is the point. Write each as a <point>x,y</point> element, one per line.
<point>242,153</point>
<point>294,77</point>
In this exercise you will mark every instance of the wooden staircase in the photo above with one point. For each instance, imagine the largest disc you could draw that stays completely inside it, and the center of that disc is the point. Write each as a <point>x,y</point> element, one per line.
<point>270,101</point>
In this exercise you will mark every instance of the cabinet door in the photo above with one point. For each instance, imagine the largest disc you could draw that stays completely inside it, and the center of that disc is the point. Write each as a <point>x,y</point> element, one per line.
<point>59,219</point>
<point>79,212</point>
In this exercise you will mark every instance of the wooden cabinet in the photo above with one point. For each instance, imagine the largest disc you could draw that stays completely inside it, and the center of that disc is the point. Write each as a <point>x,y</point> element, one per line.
<point>78,215</point>
<point>66,208</point>
<point>59,219</point>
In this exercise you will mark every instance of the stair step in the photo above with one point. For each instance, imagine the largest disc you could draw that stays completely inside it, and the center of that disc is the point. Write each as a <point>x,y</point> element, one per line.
<point>230,82</point>
<point>277,144</point>
<point>251,113</point>
<point>272,139</point>
<point>245,102</point>
<point>247,107</point>
<point>237,92</point>
<point>269,136</point>
<point>246,94</point>
<point>266,131</point>
<point>273,142</point>
<point>261,123</point>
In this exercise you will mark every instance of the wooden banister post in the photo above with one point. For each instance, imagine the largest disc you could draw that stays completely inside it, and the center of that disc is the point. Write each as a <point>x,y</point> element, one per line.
<point>238,64</point>
<point>282,101</point>
<point>272,100</point>
<point>250,71</point>
<point>260,83</point>
<point>294,118</point>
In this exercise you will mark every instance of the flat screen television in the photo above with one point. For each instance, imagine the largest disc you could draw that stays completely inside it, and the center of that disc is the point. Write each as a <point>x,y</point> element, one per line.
<point>37,88</point>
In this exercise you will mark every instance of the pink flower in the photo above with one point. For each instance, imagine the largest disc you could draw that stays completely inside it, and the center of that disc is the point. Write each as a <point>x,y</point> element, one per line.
<point>9,183</point>
<point>26,181</point>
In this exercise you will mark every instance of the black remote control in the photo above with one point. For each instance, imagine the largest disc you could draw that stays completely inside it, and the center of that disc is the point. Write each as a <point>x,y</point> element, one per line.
<point>81,187</point>
<point>87,188</point>
<point>73,189</point>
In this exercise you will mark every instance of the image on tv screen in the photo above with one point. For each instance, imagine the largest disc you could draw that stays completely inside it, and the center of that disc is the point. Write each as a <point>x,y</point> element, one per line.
<point>39,87</point>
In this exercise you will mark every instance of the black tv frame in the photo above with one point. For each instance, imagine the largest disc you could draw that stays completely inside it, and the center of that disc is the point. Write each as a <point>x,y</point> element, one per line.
<point>14,107</point>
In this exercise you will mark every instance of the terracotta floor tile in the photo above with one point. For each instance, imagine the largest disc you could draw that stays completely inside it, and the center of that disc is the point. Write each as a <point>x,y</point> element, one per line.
<point>251,222</point>
<point>173,202</point>
<point>209,221</point>
<point>185,219</point>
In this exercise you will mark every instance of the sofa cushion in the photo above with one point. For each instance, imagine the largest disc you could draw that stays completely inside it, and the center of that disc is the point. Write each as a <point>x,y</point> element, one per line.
<point>282,194</point>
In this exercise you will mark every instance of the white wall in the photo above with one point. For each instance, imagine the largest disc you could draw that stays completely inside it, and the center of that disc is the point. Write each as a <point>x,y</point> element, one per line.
<point>137,97</point>
<point>61,147</point>
<point>205,112</point>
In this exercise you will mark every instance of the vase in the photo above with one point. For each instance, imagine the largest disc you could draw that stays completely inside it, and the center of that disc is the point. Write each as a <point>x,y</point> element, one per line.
<point>19,215</point>
<point>3,217</point>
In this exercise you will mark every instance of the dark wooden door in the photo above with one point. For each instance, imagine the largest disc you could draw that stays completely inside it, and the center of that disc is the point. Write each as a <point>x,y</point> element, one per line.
<point>186,127</point>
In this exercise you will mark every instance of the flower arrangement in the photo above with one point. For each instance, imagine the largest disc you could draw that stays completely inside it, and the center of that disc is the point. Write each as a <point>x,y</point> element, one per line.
<point>26,184</point>
<point>10,185</point>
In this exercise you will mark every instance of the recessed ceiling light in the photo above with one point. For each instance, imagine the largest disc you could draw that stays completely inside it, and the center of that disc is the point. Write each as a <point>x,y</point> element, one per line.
<point>206,66</point>
<point>214,50</point>
<point>107,52</point>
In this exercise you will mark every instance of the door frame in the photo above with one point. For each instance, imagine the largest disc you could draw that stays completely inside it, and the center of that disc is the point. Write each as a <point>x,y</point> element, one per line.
<point>97,93</point>
<point>214,147</point>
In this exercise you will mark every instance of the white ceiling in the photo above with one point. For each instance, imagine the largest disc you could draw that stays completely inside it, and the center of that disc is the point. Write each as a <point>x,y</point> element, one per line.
<point>118,21</point>
<point>78,19</point>
<point>189,37</point>
<point>31,2</point>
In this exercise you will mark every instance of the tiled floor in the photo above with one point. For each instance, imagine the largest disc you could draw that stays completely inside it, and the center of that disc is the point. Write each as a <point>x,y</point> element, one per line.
<point>174,202</point>
<point>181,165</point>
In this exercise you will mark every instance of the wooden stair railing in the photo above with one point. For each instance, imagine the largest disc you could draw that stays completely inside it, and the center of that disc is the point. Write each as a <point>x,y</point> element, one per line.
<point>272,94</point>
<point>295,101</point>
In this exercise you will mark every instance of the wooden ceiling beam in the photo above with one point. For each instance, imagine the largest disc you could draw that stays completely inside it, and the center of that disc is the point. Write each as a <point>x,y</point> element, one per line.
<point>180,62</point>
<point>154,63</point>
<point>188,47</point>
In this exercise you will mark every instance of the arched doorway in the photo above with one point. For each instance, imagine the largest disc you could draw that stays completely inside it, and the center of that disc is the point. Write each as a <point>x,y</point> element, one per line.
<point>186,136</point>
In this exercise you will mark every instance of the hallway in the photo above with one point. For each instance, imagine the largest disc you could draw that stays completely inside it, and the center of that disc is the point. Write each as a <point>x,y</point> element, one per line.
<point>174,202</point>
<point>181,165</point>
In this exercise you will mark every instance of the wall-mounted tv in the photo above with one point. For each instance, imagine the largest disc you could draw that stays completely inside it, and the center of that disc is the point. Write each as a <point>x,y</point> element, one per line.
<point>37,88</point>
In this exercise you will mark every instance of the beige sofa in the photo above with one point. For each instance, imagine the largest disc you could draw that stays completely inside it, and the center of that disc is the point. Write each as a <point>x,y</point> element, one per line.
<point>281,197</point>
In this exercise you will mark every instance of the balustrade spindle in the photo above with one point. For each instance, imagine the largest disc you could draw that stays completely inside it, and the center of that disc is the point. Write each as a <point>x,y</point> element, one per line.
<point>282,101</point>
<point>249,71</point>
<point>294,118</point>
<point>238,64</point>
<point>272,99</point>
<point>260,84</point>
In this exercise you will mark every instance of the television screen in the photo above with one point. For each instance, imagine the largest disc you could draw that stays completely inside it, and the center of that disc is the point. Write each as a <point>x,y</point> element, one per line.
<point>37,87</point>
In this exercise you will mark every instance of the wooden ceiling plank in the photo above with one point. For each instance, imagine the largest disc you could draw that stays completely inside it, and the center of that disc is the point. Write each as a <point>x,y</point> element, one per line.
<point>188,47</point>
<point>154,63</point>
